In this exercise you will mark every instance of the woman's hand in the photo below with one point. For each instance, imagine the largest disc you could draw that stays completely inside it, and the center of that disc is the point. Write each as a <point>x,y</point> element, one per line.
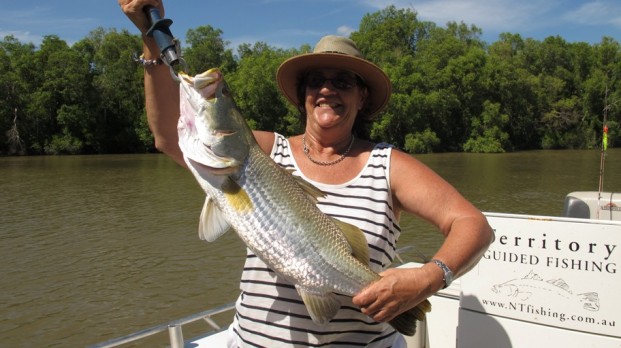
<point>396,292</point>
<point>134,9</point>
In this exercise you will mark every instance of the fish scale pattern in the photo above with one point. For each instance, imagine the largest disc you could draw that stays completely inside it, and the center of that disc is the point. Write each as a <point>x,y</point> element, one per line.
<point>296,239</point>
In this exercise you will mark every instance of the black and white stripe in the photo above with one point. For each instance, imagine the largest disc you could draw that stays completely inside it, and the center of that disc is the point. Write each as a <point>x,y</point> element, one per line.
<point>270,312</point>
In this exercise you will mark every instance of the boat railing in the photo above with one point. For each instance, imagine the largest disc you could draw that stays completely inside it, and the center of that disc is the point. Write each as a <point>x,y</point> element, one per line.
<point>174,328</point>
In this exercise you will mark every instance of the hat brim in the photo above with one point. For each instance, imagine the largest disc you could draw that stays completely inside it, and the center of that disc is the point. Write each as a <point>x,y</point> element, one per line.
<point>378,84</point>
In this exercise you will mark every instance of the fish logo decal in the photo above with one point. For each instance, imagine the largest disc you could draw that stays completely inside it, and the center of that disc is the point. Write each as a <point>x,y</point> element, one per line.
<point>534,288</point>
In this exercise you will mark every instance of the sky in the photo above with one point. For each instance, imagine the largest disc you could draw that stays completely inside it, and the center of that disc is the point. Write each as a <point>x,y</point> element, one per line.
<point>292,23</point>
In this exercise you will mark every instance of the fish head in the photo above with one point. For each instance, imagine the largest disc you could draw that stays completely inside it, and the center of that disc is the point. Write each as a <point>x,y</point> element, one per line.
<point>212,131</point>
<point>506,289</point>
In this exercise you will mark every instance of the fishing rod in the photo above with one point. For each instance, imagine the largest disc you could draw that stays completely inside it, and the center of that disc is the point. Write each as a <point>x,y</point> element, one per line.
<point>602,159</point>
<point>170,50</point>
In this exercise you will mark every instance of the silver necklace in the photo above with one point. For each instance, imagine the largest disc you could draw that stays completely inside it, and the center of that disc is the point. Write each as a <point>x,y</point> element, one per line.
<point>322,163</point>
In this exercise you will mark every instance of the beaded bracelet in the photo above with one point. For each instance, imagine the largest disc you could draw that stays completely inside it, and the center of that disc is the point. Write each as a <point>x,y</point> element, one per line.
<point>147,62</point>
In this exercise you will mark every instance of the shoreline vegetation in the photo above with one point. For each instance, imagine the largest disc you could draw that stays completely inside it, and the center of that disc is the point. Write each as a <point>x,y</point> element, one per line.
<point>451,90</point>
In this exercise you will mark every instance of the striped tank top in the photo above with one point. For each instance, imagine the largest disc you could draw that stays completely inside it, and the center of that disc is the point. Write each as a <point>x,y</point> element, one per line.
<point>270,313</point>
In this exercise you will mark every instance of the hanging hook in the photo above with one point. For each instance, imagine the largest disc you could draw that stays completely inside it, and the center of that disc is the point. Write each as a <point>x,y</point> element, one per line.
<point>170,48</point>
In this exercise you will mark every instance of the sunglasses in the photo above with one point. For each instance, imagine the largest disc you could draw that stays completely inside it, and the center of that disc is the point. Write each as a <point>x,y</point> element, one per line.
<point>340,82</point>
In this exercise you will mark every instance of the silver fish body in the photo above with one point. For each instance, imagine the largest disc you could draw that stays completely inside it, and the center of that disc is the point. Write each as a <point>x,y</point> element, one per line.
<point>316,262</point>
<point>273,212</point>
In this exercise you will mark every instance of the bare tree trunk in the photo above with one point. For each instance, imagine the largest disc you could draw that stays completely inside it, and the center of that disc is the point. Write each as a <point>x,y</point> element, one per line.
<point>16,145</point>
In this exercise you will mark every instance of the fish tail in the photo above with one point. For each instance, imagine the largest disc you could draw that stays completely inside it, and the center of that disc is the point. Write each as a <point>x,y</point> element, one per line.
<point>590,301</point>
<point>405,322</point>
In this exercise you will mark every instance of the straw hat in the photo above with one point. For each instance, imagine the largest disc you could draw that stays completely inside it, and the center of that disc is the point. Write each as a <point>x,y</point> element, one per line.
<point>335,52</point>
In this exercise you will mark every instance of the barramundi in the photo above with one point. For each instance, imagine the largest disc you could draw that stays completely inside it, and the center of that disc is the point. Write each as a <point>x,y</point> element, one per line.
<point>274,212</point>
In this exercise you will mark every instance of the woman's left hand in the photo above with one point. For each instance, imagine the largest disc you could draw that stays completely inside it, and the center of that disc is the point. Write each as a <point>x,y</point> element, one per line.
<point>396,292</point>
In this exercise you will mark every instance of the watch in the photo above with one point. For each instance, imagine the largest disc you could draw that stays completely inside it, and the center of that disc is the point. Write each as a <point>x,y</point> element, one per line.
<point>448,274</point>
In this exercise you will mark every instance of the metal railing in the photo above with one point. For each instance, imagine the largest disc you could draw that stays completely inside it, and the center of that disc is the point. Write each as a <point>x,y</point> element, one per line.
<point>174,328</point>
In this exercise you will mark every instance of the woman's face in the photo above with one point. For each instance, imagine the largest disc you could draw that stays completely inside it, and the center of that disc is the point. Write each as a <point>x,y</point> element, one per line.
<point>333,97</point>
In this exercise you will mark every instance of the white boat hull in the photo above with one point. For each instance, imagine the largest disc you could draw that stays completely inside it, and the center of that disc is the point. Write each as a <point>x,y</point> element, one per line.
<point>467,314</point>
<point>593,205</point>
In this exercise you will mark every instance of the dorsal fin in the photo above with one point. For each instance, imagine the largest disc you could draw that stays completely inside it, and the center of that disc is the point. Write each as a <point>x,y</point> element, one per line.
<point>311,191</point>
<point>560,283</point>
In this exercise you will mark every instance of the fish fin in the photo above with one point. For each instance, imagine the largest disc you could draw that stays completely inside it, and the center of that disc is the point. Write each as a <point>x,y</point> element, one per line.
<point>590,301</point>
<point>512,290</point>
<point>237,197</point>
<point>356,239</point>
<point>212,223</point>
<point>559,283</point>
<point>405,322</point>
<point>322,307</point>
<point>311,190</point>
<point>532,275</point>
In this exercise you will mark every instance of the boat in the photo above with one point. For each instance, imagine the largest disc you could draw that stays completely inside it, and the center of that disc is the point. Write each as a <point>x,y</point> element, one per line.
<point>545,281</point>
<point>593,205</point>
<point>598,204</point>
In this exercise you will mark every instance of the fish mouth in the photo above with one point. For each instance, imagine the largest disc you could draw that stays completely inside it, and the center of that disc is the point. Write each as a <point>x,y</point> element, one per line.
<point>210,158</point>
<point>224,133</point>
<point>205,83</point>
<point>214,170</point>
<point>219,135</point>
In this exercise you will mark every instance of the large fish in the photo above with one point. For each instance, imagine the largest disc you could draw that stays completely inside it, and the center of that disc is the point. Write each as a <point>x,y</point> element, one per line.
<point>272,211</point>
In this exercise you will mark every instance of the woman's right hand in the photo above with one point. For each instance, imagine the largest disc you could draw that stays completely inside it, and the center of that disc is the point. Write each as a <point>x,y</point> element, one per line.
<point>134,9</point>
<point>160,90</point>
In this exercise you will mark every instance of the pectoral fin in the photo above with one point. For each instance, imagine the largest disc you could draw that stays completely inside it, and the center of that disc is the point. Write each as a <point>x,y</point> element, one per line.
<point>356,239</point>
<point>212,223</point>
<point>237,197</point>
<point>321,307</point>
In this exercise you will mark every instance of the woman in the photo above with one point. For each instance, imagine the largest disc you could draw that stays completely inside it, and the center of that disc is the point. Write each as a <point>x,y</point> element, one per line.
<point>368,185</point>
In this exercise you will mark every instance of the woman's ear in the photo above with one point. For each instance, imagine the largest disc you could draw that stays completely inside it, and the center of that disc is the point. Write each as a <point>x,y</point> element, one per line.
<point>364,93</point>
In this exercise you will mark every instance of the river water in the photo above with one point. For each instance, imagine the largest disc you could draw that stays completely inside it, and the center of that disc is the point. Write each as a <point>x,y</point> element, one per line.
<point>96,247</point>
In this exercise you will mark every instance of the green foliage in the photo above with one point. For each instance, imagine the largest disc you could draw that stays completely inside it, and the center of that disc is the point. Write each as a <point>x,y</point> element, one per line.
<point>487,131</point>
<point>387,36</point>
<point>255,89</point>
<point>206,49</point>
<point>117,89</point>
<point>421,142</point>
<point>16,73</point>
<point>64,144</point>
<point>450,90</point>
